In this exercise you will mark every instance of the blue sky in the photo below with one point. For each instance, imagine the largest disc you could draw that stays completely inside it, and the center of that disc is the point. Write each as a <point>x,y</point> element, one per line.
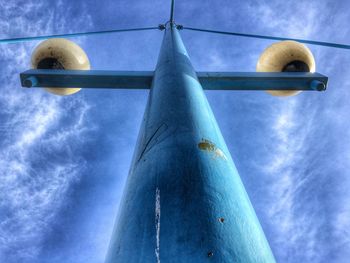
<point>64,160</point>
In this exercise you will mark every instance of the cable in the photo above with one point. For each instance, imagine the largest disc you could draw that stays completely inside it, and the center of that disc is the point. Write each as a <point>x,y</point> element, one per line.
<point>24,39</point>
<point>327,44</point>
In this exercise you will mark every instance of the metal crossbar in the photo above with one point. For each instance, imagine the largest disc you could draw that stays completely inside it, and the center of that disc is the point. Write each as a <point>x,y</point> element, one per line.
<point>143,80</point>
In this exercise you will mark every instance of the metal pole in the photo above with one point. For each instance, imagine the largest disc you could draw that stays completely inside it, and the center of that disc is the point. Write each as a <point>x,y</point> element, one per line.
<point>172,10</point>
<point>184,200</point>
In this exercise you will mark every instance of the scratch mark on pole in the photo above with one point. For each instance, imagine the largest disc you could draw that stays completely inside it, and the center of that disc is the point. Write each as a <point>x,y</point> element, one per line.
<point>157,219</point>
<point>153,139</point>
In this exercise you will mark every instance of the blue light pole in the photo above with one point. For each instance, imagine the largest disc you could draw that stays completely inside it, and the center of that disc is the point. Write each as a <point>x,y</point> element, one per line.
<point>184,200</point>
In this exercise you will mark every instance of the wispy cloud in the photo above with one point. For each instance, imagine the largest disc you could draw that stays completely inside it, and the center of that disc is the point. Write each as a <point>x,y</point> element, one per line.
<point>288,18</point>
<point>293,223</point>
<point>302,185</point>
<point>35,128</point>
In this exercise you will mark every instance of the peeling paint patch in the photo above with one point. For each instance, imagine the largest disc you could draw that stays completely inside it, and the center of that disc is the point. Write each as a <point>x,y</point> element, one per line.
<point>206,145</point>
<point>157,221</point>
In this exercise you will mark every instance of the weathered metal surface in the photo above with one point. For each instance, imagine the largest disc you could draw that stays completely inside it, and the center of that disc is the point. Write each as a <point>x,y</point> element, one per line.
<point>143,79</point>
<point>184,200</point>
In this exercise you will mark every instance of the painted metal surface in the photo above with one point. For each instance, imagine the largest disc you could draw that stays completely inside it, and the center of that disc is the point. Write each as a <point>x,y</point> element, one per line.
<point>143,80</point>
<point>172,11</point>
<point>262,81</point>
<point>184,200</point>
<point>87,79</point>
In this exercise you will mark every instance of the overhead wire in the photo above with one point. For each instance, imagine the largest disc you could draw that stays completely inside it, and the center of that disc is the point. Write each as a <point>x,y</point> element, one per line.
<point>312,42</point>
<point>24,39</point>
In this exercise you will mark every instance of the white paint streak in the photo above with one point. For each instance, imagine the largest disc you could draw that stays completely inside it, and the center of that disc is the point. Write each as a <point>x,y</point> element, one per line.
<point>157,219</point>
